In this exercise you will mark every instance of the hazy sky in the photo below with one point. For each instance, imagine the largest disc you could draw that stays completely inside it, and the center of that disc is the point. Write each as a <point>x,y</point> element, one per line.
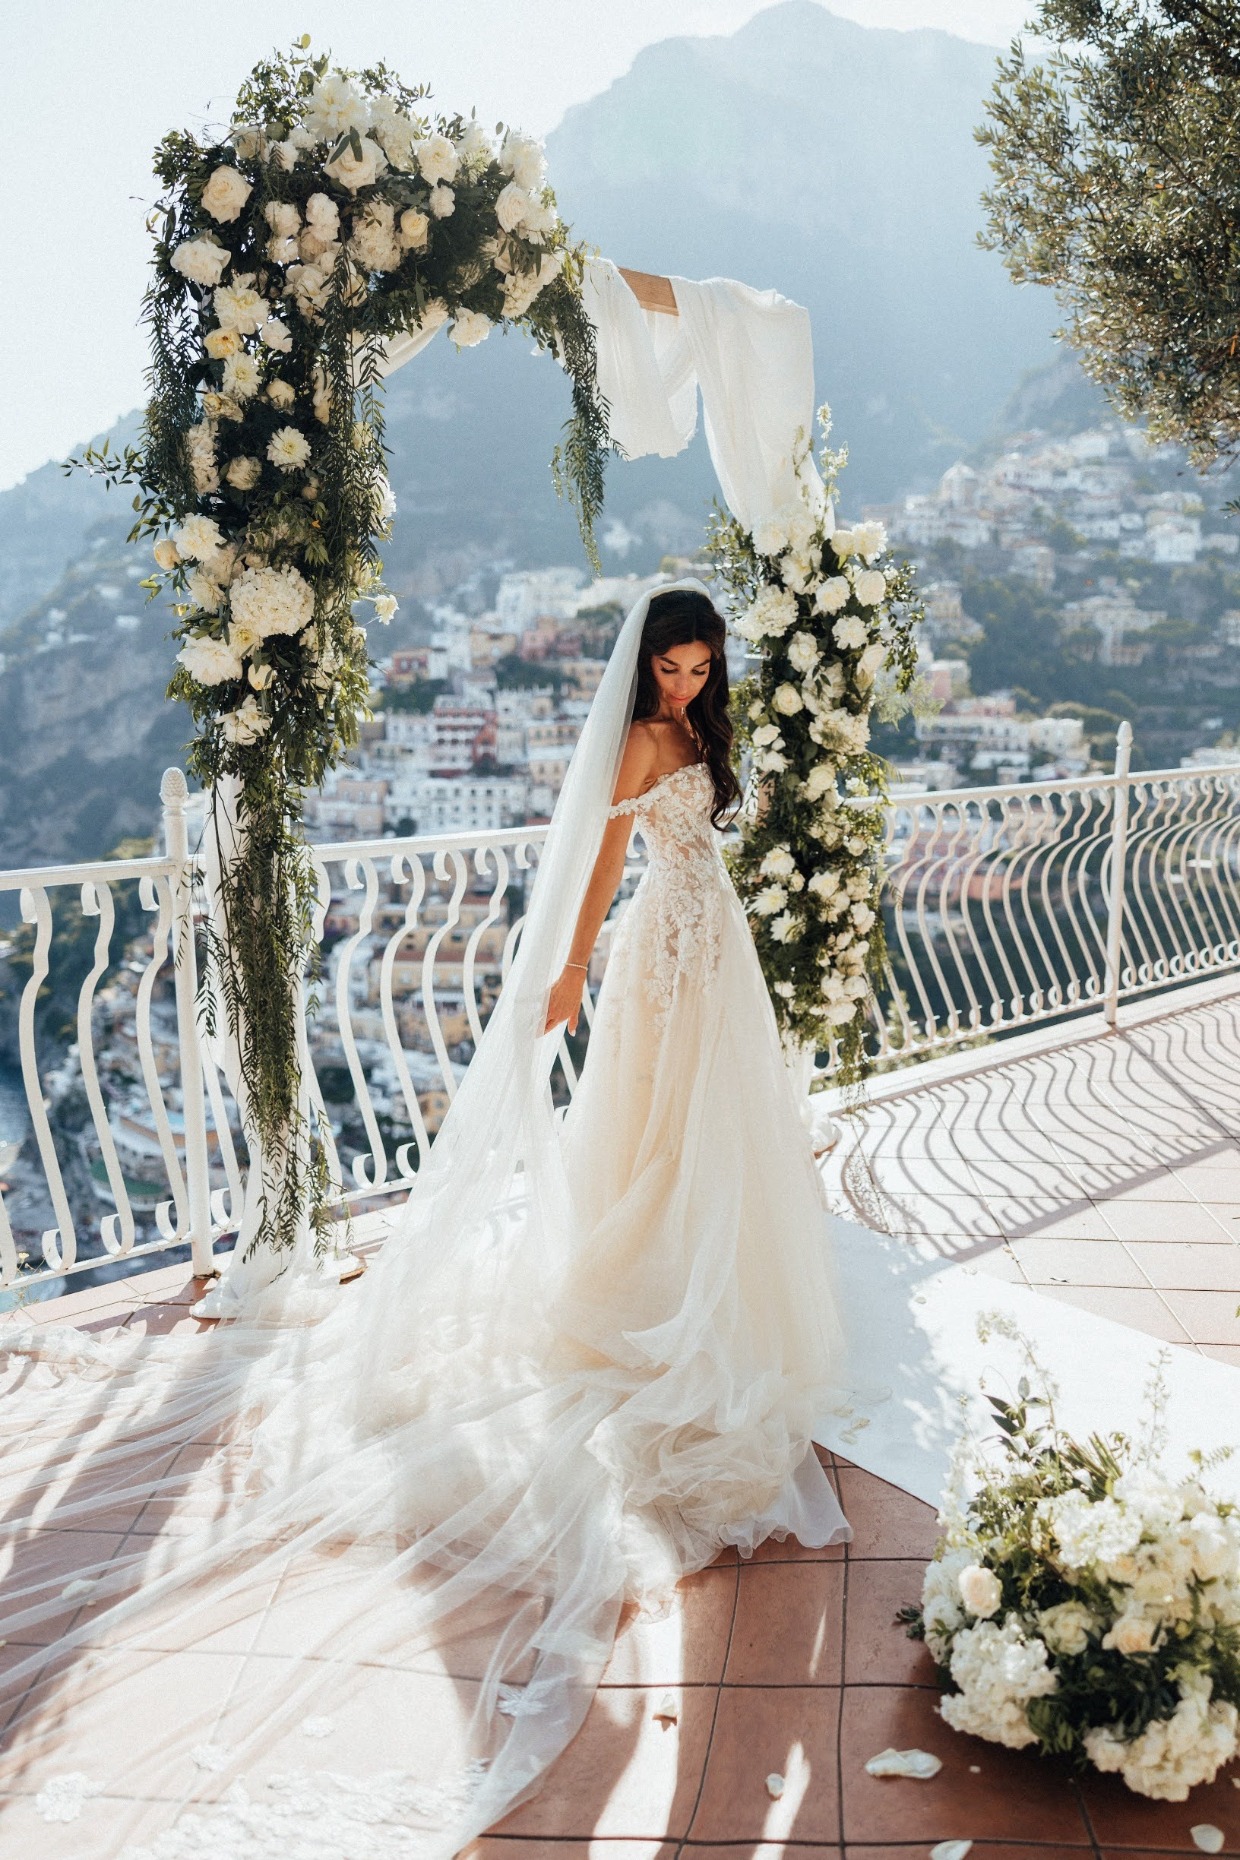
<point>89,86</point>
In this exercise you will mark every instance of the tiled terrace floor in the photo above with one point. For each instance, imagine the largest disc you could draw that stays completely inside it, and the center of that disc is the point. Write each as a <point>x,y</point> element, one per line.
<point>1101,1169</point>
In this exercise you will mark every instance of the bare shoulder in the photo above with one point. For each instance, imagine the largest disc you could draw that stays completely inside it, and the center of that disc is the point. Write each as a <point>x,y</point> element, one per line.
<point>638,762</point>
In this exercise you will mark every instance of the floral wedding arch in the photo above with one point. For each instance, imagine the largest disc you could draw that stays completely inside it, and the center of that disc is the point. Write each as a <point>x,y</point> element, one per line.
<point>318,243</point>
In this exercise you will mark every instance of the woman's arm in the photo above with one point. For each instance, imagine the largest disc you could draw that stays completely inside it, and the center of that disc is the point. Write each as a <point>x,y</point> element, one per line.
<point>636,768</point>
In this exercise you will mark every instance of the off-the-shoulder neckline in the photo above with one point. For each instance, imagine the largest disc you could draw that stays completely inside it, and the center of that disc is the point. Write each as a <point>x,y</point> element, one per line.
<point>657,783</point>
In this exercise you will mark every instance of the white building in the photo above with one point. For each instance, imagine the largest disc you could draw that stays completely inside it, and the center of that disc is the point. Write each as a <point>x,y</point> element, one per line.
<point>455,804</point>
<point>528,594</point>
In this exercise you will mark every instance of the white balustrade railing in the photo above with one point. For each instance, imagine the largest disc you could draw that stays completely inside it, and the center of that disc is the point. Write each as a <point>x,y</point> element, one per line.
<point>1005,907</point>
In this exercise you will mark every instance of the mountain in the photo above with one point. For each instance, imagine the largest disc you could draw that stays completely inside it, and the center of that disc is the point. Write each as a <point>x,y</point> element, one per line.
<point>832,161</point>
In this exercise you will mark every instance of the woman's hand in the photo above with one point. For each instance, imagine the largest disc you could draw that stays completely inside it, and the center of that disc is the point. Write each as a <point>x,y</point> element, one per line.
<point>565,999</point>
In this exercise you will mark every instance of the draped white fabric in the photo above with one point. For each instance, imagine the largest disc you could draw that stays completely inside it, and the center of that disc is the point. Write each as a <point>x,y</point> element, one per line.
<point>751,355</point>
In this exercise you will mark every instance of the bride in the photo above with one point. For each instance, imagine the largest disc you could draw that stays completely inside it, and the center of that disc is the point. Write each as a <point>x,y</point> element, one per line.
<point>589,1358</point>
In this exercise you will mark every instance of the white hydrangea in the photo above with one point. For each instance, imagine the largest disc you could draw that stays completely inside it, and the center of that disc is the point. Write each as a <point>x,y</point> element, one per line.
<point>288,449</point>
<point>469,327</point>
<point>209,661</point>
<point>203,260</point>
<point>833,594</point>
<point>226,193</point>
<point>1172,1755</point>
<point>239,306</point>
<point>374,243</point>
<point>769,615</point>
<point>1090,1531</point>
<point>522,157</point>
<point>272,600</point>
<point>998,1670</point>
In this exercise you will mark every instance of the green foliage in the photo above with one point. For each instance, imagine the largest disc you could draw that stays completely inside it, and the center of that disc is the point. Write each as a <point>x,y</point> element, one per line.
<point>1117,182</point>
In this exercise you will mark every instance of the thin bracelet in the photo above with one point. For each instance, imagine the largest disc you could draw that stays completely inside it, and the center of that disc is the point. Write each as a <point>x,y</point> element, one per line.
<point>583,966</point>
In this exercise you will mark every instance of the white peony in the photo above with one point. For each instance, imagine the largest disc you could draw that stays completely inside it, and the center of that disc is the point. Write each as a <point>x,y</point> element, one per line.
<point>334,106</point>
<point>786,928</point>
<point>241,376</point>
<point>246,725</point>
<point>323,218</point>
<point>199,538</point>
<point>539,222</point>
<point>869,540</point>
<point>803,652</point>
<point>870,585</point>
<point>832,595</point>
<point>393,131</point>
<point>769,615</point>
<point>980,1589</point>
<point>1214,1547</point>
<point>1130,1633</point>
<point>998,1671</point>
<point>272,600</point>
<point>770,762</point>
<point>475,147</point>
<point>209,661</point>
<point>469,327</point>
<point>796,571</point>
<point>442,202</point>
<point>204,592</point>
<point>239,306</point>
<point>202,260</point>
<point>310,287</point>
<point>824,884</point>
<point>283,251</point>
<point>281,393</point>
<point>511,206</point>
<point>787,700</point>
<point>438,159</point>
<point>1067,1626</point>
<point>415,230</point>
<point>220,343</point>
<point>282,217</point>
<point>778,863</point>
<point>522,157</point>
<point>167,555</point>
<point>354,171</point>
<point>276,336</point>
<point>850,632</point>
<point>244,473</point>
<point>288,449</point>
<point>374,243</point>
<point>226,193</point>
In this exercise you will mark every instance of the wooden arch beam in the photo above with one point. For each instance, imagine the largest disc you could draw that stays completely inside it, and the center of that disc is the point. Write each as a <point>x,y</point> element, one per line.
<point>651,291</point>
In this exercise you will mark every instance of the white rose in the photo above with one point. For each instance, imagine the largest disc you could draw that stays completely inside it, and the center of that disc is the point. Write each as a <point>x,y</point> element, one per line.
<point>843,544</point>
<point>241,376</point>
<point>281,393</point>
<point>862,917</point>
<point>832,595</point>
<point>1131,1634</point>
<point>818,782</point>
<point>225,193</point>
<point>980,1589</point>
<point>243,474</point>
<point>438,159</point>
<point>787,700</point>
<point>435,315</point>
<point>770,762</point>
<point>167,555</point>
<point>824,884</point>
<point>767,736</point>
<point>803,653</point>
<point>201,260</point>
<point>238,306</point>
<point>246,725</point>
<point>220,343</point>
<point>468,328</point>
<point>868,664</point>
<point>288,449</point>
<point>512,206</point>
<point>1066,1627</point>
<point>796,571</point>
<point>414,230</point>
<point>354,171</point>
<point>871,586</point>
<point>522,157</point>
<point>249,141</point>
<point>276,336</point>
<point>199,538</point>
<point>333,107</point>
<point>209,661</point>
<point>850,632</point>
<point>442,202</point>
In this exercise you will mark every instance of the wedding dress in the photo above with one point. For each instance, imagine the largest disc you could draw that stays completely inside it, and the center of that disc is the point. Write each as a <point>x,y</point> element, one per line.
<point>589,1357</point>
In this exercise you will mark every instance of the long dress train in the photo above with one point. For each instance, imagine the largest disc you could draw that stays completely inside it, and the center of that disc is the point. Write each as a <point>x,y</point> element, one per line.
<point>429,1500</point>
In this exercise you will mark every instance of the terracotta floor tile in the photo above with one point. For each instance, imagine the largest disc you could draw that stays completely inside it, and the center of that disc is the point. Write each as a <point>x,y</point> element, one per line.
<point>1125,1305</point>
<point>789,1628</point>
<point>886,1521</point>
<point>1077,1262</point>
<point>877,1651</point>
<point>491,1847</point>
<point>1122,1820</point>
<point>687,1646</point>
<point>382,1718</point>
<point>786,1730</point>
<point>625,1774</point>
<point>1175,1221</point>
<point>763,1850</point>
<point>1208,1317</point>
<point>1222,1352</point>
<point>791,1551</point>
<point>1010,1796</point>
<point>1189,1266</point>
<point>49,1561</point>
<point>1031,1849</point>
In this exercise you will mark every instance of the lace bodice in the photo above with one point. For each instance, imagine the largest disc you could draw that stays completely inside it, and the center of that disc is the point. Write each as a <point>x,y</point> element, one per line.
<point>672,923</point>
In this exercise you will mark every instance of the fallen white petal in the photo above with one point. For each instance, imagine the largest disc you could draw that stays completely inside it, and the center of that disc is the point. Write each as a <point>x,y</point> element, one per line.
<point>667,1711</point>
<point>1207,1837</point>
<point>951,1850</point>
<point>318,1727</point>
<point>919,1763</point>
<point>775,1785</point>
<point>81,1585</point>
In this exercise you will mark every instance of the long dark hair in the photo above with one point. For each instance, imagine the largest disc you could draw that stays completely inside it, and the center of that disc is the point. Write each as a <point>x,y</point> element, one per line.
<point>678,619</point>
